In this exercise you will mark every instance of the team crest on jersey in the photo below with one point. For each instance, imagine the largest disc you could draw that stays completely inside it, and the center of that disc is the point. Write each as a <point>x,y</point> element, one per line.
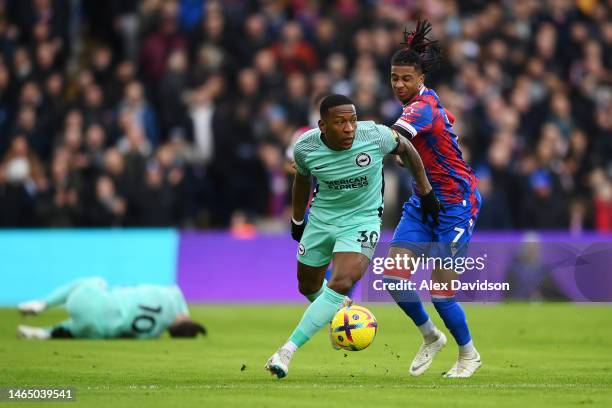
<point>301,249</point>
<point>363,160</point>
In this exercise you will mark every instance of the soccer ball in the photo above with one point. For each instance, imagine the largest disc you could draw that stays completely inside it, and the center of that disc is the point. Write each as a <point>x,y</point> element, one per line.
<point>353,328</point>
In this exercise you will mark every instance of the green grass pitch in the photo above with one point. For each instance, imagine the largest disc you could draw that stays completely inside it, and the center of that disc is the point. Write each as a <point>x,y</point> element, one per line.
<point>534,355</point>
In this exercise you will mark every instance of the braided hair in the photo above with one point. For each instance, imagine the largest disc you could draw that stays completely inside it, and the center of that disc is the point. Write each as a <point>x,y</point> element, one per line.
<point>418,50</point>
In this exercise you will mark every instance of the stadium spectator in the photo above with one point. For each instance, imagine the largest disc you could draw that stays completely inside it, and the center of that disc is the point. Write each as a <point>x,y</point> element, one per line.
<point>59,204</point>
<point>21,179</point>
<point>108,209</point>
<point>227,83</point>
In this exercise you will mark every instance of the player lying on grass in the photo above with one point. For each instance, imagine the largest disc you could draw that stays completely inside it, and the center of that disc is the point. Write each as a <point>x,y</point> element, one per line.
<point>96,312</point>
<point>346,157</point>
<point>429,127</point>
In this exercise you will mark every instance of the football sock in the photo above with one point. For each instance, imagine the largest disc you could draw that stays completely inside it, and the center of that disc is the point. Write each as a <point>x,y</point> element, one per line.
<point>291,347</point>
<point>467,350</point>
<point>429,331</point>
<point>409,302</point>
<point>311,297</point>
<point>453,316</point>
<point>318,314</point>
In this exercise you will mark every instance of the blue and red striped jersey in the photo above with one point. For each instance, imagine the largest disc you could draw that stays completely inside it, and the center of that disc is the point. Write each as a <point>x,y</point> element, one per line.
<point>429,127</point>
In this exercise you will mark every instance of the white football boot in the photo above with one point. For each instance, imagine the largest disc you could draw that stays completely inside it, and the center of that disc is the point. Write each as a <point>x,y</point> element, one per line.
<point>464,367</point>
<point>32,333</point>
<point>278,364</point>
<point>424,357</point>
<point>32,307</point>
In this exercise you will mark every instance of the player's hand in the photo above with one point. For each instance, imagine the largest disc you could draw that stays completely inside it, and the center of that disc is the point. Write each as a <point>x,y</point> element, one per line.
<point>430,205</point>
<point>297,229</point>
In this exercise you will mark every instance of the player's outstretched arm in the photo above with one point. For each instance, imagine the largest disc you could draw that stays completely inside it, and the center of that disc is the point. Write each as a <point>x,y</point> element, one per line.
<point>430,205</point>
<point>411,159</point>
<point>301,193</point>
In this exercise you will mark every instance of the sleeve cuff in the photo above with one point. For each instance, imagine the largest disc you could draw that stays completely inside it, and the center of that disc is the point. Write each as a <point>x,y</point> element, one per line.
<point>405,129</point>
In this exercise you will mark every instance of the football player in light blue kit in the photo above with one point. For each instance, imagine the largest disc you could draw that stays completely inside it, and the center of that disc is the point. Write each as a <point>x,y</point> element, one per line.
<point>346,157</point>
<point>97,312</point>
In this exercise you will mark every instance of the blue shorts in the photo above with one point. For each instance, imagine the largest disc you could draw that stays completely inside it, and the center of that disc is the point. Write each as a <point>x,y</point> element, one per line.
<point>449,239</point>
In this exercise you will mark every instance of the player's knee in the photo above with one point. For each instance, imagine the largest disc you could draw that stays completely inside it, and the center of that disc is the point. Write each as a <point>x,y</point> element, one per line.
<point>341,284</point>
<point>400,268</point>
<point>395,279</point>
<point>442,285</point>
<point>308,287</point>
<point>393,272</point>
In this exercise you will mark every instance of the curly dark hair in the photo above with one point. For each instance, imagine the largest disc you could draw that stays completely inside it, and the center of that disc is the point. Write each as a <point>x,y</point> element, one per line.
<point>186,328</point>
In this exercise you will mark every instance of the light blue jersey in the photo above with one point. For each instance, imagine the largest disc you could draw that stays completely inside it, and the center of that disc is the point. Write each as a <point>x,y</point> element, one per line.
<point>148,310</point>
<point>96,312</point>
<point>349,182</point>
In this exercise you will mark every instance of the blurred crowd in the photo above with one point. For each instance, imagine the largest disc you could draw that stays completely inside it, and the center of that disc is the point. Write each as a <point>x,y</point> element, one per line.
<point>179,112</point>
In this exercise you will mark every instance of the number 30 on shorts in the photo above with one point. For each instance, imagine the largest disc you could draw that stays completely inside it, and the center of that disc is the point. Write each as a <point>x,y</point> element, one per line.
<point>365,236</point>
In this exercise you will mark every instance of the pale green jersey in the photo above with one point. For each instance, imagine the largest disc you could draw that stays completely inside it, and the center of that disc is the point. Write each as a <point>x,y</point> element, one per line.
<point>143,311</point>
<point>148,310</point>
<point>349,182</point>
